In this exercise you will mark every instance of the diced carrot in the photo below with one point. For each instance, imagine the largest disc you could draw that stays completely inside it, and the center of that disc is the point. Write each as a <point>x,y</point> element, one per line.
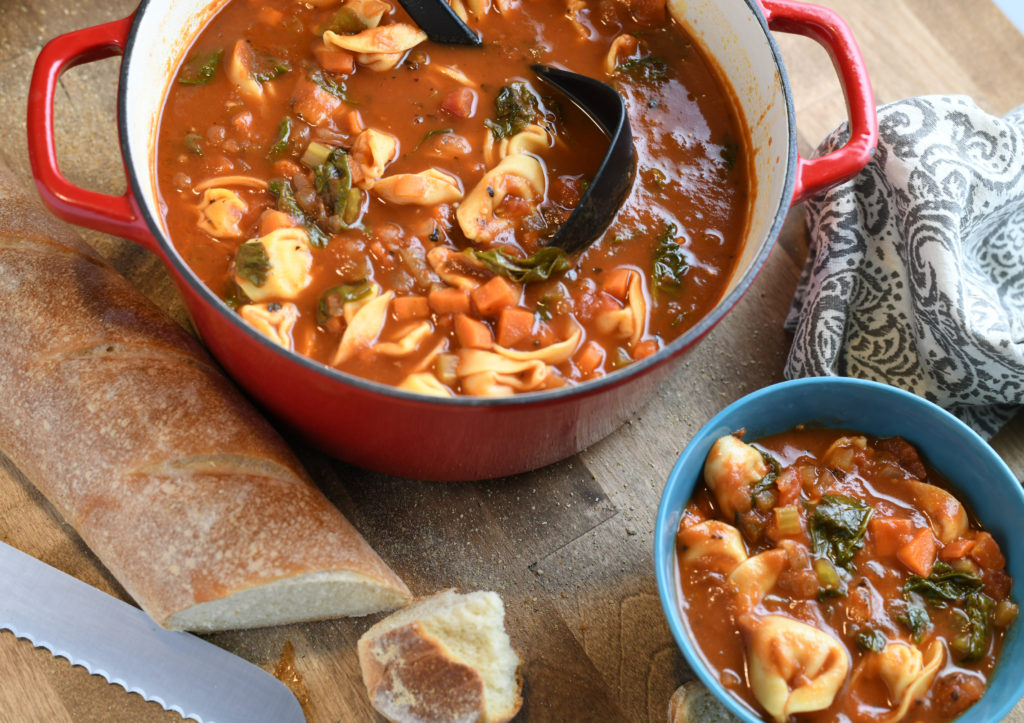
<point>591,357</point>
<point>269,16</point>
<point>644,349</point>
<point>986,552</point>
<point>514,325</point>
<point>354,122</point>
<point>286,168</point>
<point>495,295</point>
<point>616,282</point>
<point>335,60</point>
<point>889,534</point>
<point>410,307</point>
<point>461,102</point>
<point>919,554</point>
<point>449,301</point>
<point>956,549</point>
<point>472,334</point>
<point>272,219</point>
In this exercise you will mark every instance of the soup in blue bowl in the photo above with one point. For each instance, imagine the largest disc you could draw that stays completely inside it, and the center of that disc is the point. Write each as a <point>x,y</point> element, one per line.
<point>833,547</point>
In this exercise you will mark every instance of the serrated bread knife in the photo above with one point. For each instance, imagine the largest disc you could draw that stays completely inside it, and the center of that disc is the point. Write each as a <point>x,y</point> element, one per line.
<point>119,642</point>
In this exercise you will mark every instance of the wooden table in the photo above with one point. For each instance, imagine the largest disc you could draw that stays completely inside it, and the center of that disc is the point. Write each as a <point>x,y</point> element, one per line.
<point>569,546</point>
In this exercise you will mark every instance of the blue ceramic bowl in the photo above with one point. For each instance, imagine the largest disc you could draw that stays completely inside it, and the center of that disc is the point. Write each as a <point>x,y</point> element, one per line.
<point>976,472</point>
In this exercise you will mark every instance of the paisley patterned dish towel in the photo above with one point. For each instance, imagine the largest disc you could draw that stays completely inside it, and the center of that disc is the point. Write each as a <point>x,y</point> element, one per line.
<point>915,275</point>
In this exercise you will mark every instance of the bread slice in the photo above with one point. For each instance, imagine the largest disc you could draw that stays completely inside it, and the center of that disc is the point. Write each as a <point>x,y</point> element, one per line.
<point>183,491</point>
<point>694,703</point>
<point>446,658</point>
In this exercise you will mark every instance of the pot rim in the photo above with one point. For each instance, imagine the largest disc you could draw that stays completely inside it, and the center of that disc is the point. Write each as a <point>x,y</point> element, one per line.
<point>182,271</point>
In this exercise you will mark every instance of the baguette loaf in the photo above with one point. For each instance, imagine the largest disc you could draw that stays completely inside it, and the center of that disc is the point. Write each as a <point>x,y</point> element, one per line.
<point>123,422</point>
<point>443,659</point>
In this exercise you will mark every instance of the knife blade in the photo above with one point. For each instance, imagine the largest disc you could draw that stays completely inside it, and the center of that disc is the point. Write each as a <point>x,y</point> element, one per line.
<point>119,642</point>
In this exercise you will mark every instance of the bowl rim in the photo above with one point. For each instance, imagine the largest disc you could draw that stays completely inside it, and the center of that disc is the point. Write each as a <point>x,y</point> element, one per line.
<point>183,273</point>
<point>667,520</point>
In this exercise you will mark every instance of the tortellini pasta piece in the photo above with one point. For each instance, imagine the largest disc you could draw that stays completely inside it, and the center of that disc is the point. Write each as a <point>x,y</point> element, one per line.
<point>239,69</point>
<point>756,576</point>
<point>379,48</point>
<point>409,341</point>
<point>220,212</point>
<point>366,319</point>
<point>532,139</point>
<point>630,321</point>
<point>372,151</point>
<point>553,354</point>
<point>486,374</point>
<point>275,266</point>
<point>456,269</point>
<point>425,383</point>
<point>903,670</point>
<point>711,545</point>
<point>621,48</point>
<point>794,667</point>
<point>274,320</point>
<point>731,469</point>
<point>367,12</point>
<point>947,517</point>
<point>519,175</point>
<point>426,188</point>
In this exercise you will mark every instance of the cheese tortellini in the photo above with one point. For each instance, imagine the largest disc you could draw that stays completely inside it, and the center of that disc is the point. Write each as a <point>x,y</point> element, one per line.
<point>731,469</point>
<point>275,266</point>
<point>794,667</point>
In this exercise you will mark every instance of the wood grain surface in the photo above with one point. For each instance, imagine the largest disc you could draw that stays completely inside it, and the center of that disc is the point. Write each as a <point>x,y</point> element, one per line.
<point>568,547</point>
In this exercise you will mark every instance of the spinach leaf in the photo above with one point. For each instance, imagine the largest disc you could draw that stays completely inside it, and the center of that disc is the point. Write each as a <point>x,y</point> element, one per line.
<point>538,267</point>
<point>286,202</point>
<point>649,68</point>
<point>763,493</point>
<point>332,302</point>
<point>267,67</point>
<point>199,70</point>
<point>973,643</point>
<point>943,585</point>
<point>670,264</point>
<point>916,620</point>
<point>515,107</point>
<point>837,528</point>
<point>325,82</point>
<point>194,142</point>
<point>871,640</point>
<point>252,263</point>
<point>284,134</point>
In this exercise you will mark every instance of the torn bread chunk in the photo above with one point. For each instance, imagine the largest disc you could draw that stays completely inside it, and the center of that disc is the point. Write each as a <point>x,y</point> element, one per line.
<point>447,658</point>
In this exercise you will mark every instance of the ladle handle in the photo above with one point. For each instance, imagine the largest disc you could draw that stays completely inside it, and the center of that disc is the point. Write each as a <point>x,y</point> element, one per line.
<point>825,27</point>
<point>117,215</point>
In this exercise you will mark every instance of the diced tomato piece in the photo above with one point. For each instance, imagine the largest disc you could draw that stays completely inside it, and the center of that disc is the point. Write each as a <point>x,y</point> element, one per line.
<point>270,16</point>
<point>286,168</point>
<point>472,334</point>
<point>272,220</point>
<point>986,552</point>
<point>591,357</point>
<point>406,308</point>
<point>889,534</point>
<point>919,554</point>
<point>449,301</point>
<point>495,295</point>
<point>956,549</point>
<point>335,60</point>
<point>514,325</point>
<point>616,282</point>
<point>644,349</point>
<point>461,103</point>
<point>312,103</point>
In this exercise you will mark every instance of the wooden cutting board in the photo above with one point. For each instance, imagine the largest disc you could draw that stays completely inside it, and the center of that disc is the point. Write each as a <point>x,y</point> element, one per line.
<point>568,547</point>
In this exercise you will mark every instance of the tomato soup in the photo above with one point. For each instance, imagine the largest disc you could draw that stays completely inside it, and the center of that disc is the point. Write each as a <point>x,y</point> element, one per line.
<point>383,204</point>
<point>831,576</point>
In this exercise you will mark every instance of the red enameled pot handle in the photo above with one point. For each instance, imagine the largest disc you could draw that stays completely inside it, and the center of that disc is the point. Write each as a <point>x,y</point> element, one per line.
<point>825,27</point>
<point>117,215</point>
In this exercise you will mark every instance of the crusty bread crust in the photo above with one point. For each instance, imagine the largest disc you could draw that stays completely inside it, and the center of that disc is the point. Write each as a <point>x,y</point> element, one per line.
<point>130,430</point>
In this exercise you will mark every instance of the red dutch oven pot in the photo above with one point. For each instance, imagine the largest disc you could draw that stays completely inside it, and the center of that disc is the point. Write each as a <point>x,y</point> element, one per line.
<point>394,431</point>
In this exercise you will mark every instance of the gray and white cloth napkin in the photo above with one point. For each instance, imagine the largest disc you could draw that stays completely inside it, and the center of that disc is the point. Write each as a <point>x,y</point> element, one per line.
<point>915,275</point>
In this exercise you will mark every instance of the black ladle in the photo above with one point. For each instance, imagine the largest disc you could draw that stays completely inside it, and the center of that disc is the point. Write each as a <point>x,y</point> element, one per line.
<point>614,178</point>
<point>441,24</point>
